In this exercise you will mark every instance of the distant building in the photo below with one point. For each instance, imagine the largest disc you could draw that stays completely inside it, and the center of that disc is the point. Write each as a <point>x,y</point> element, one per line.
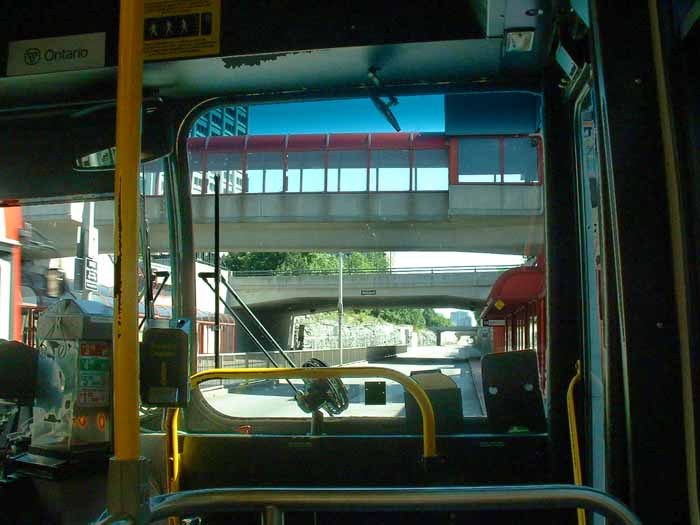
<point>222,122</point>
<point>219,122</point>
<point>461,318</point>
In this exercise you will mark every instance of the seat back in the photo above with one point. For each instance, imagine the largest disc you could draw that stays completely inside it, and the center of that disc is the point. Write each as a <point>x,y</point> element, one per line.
<point>512,392</point>
<point>446,398</point>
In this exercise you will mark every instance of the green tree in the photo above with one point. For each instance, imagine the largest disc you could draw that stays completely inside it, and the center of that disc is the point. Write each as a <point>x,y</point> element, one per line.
<point>432,318</point>
<point>299,261</point>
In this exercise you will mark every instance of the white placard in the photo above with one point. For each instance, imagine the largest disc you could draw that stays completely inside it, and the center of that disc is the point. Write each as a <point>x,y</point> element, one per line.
<point>49,55</point>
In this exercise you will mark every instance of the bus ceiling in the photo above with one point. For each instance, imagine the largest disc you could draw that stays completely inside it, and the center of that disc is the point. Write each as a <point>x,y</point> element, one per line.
<point>479,44</point>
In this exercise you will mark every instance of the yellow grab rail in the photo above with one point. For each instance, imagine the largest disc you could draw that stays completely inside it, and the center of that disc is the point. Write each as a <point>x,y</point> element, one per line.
<point>573,434</point>
<point>126,231</point>
<point>413,388</point>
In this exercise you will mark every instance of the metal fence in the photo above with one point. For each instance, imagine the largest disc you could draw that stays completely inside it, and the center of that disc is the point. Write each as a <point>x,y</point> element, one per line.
<point>330,356</point>
<point>387,271</point>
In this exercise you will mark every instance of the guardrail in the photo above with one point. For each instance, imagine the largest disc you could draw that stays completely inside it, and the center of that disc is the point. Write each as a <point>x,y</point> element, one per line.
<point>273,503</point>
<point>388,271</point>
<point>329,356</point>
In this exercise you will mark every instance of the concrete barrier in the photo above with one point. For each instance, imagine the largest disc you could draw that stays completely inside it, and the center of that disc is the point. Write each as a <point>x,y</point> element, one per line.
<point>329,356</point>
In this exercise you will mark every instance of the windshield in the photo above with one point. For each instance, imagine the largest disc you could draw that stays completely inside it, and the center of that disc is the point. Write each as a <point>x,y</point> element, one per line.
<point>358,245</point>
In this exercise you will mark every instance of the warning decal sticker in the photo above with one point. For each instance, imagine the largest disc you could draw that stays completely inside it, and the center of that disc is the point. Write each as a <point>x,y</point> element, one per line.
<point>181,28</point>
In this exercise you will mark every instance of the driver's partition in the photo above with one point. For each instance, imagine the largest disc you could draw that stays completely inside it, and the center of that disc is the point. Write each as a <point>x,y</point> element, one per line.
<point>414,389</point>
<point>273,504</point>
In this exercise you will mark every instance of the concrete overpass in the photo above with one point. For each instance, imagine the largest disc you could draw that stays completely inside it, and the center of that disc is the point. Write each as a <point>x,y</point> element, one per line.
<point>465,288</point>
<point>276,299</point>
<point>489,218</point>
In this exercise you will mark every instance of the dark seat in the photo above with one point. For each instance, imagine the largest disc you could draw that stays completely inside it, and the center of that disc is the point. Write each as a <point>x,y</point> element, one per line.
<point>446,398</point>
<point>512,392</point>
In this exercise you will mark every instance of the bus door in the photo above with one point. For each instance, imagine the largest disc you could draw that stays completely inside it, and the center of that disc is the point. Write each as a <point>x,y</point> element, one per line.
<point>590,238</point>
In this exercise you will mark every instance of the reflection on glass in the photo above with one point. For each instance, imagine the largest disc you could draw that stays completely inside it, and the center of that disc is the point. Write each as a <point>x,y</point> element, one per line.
<point>479,160</point>
<point>520,157</point>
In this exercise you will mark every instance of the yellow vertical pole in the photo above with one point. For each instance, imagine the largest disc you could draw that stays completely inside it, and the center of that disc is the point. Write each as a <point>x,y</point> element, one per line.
<point>126,364</point>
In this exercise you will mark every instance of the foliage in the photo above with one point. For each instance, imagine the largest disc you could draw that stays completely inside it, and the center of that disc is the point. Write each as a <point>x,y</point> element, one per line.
<point>417,317</point>
<point>432,318</point>
<point>297,261</point>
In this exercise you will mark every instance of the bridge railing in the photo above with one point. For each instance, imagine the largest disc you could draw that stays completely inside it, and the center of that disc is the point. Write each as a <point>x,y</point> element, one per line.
<point>374,271</point>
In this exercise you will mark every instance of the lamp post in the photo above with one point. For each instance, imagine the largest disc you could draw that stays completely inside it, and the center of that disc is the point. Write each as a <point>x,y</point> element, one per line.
<point>340,306</point>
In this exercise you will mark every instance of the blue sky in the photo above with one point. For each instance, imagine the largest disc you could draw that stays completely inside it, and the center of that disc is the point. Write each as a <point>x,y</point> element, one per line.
<point>417,113</point>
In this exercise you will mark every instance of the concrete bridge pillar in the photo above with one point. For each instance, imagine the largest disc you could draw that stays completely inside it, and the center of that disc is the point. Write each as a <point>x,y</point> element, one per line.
<point>278,323</point>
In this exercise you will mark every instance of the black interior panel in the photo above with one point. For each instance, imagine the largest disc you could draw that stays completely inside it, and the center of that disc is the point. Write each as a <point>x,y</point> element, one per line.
<point>244,461</point>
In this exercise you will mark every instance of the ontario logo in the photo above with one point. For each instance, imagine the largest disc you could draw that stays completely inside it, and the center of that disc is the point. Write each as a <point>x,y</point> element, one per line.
<point>32,56</point>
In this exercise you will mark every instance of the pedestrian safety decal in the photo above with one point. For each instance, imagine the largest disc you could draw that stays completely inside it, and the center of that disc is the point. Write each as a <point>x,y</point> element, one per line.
<point>181,28</point>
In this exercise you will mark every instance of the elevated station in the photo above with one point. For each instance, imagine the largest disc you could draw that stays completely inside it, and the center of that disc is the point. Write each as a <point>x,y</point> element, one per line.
<point>418,191</point>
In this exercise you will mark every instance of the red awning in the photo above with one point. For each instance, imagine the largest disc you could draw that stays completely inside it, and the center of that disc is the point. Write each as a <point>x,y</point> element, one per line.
<point>514,288</point>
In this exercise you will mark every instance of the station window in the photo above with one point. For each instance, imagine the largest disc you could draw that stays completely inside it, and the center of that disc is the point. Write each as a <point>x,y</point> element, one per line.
<point>305,171</point>
<point>390,170</point>
<point>265,172</point>
<point>520,160</point>
<point>431,170</point>
<point>196,183</point>
<point>479,160</point>
<point>351,169</point>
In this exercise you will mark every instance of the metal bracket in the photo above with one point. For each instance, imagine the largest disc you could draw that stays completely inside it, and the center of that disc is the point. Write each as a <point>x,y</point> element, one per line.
<point>128,492</point>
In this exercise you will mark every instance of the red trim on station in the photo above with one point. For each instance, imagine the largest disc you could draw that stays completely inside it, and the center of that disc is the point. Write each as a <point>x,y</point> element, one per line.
<point>453,168</point>
<point>312,142</point>
<point>514,288</point>
<point>325,143</point>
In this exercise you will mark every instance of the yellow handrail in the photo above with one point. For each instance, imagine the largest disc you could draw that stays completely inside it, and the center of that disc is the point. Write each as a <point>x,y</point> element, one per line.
<point>413,388</point>
<point>573,434</point>
<point>126,248</point>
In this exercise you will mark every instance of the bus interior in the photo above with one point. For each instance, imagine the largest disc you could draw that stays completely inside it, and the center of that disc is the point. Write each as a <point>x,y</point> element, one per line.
<point>312,187</point>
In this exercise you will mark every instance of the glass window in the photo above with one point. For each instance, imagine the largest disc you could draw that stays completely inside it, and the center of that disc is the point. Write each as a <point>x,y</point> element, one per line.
<point>293,180</point>
<point>255,181</point>
<point>431,170</point>
<point>521,160</point>
<point>274,181</point>
<point>265,171</point>
<point>479,160</point>
<point>332,179</point>
<point>353,169</point>
<point>197,183</point>
<point>310,165</point>
<point>392,168</point>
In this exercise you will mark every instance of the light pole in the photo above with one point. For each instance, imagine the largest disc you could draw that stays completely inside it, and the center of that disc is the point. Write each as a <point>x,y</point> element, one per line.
<point>340,306</point>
